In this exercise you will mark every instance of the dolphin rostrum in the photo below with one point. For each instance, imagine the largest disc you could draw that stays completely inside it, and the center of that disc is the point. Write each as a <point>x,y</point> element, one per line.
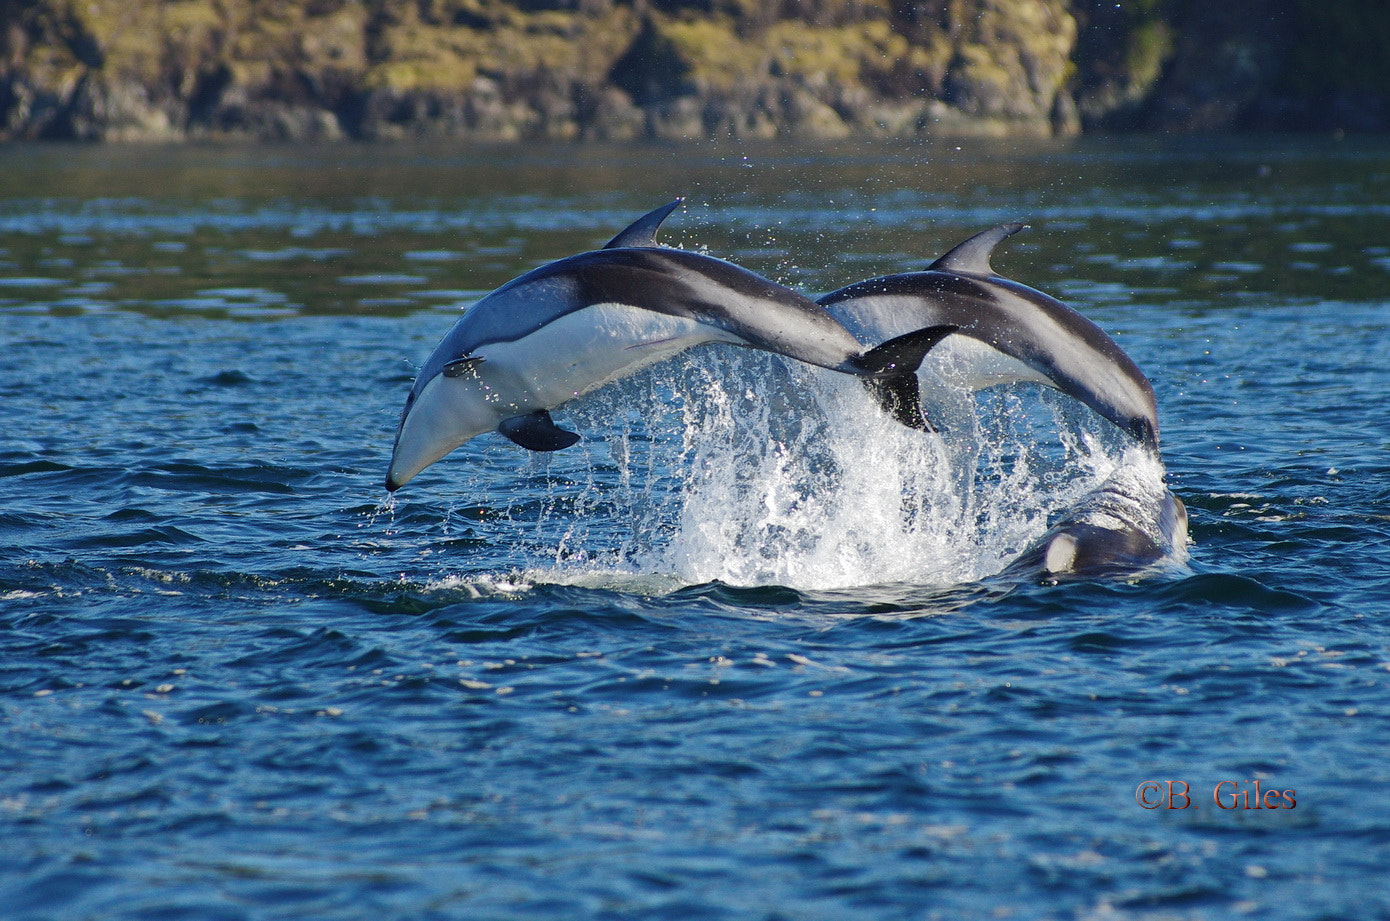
<point>1048,342</point>
<point>571,326</point>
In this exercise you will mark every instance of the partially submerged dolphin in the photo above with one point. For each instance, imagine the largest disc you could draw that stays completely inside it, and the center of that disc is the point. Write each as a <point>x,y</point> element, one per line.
<point>1048,342</point>
<point>571,326</point>
<point>1131,522</point>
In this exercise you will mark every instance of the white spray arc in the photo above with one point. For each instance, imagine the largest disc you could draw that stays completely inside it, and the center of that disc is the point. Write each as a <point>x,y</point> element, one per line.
<point>782,475</point>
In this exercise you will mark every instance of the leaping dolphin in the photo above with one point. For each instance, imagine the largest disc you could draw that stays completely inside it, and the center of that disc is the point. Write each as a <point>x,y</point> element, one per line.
<point>1049,342</point>
<point>573,325</point>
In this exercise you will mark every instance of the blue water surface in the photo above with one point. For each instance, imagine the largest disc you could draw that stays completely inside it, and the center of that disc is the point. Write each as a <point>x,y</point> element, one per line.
<point>237,683</point>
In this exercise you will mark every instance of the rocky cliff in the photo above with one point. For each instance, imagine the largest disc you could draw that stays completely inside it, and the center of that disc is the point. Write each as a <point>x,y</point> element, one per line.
<point>154,70</point>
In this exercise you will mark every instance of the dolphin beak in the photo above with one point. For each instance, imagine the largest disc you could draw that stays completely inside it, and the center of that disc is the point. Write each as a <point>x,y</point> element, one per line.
<point>444,414</point>
<point>417,446</point>
<point>398,474</point>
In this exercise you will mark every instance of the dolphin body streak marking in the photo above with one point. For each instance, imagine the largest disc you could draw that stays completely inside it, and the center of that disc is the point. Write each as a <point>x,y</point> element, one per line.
<point>571,326</point>
<point>1048,342</point>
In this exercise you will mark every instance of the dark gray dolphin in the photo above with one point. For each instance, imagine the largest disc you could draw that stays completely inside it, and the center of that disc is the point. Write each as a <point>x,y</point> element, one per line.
<point>1053,343</point>
<point>571,326</point>
<point>1129,523</point>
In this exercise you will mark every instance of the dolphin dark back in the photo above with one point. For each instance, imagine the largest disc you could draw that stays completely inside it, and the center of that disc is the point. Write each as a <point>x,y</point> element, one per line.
<point>674,282</point>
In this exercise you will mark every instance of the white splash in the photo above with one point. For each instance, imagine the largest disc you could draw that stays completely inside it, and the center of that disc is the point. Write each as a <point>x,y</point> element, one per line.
<point>739,467</point>
<point>812,487</point>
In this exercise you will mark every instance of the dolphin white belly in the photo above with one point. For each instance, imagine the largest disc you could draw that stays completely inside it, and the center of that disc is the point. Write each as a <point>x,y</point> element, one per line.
<point>581,352</point>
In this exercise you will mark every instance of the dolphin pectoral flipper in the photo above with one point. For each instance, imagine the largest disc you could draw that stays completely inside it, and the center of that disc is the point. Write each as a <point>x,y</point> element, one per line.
<point>890,373</point>
<point>972,256</point>
<point>537,432</point>
<point>459,366</point>
<point>642,232</point>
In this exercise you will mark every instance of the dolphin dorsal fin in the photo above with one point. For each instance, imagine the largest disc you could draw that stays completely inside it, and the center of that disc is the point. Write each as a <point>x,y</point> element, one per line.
<point>972,256</point>
<point>642,232</point>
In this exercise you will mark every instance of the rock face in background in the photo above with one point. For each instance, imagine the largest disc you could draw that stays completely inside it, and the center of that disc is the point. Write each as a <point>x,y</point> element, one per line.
<point>157,70</point>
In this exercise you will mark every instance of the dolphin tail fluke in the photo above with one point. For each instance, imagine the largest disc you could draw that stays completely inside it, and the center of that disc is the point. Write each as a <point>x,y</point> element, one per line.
<point>1145,432</point>
<point>890,372</point>
<point>899,397</point>
<point>537,432</point>
<point>900,356</point>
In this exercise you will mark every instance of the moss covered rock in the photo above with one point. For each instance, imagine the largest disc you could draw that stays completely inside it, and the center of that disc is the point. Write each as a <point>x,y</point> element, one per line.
<point>508,69</point>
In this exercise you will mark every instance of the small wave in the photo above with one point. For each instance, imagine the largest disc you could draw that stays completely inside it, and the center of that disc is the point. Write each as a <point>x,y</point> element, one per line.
<point>29,282</point>
<point>264,478</point>
<point>475,587</point>
<point>229,378</point>
<point>169,535</point>
<point>1229,590</point>
<point>27,468</point>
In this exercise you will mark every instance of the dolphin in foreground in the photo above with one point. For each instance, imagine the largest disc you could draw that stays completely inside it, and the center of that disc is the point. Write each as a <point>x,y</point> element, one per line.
<point>1126,525</point>
<point>1047,341</point>
<point>571,326</point>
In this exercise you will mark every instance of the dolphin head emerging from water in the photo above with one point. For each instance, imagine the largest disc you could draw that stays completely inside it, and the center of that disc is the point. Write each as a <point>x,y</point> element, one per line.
<point>1129,524</point>
<point>571,326</point>
<point>1046,341</point>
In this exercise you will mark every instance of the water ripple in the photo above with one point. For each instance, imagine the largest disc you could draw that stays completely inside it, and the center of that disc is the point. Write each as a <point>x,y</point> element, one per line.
<point>236,682</point>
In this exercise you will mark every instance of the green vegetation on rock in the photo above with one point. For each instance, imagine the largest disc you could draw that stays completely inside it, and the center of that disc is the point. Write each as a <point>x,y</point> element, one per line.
<point>506,69</point>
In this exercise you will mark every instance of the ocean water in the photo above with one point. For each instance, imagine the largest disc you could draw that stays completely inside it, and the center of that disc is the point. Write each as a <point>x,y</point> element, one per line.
<point>744,652</point>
